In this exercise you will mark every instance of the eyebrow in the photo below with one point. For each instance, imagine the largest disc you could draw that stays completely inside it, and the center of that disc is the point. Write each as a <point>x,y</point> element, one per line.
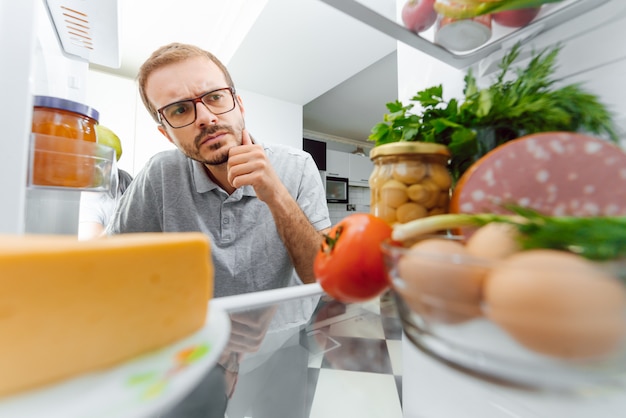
<point>196,96</point>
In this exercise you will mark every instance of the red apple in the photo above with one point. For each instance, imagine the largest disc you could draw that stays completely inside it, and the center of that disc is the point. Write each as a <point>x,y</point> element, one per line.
<point>516,18</point>
<point>418,15</point>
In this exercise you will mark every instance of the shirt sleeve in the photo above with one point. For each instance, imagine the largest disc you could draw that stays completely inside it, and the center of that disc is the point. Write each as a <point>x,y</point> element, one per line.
<point>140,208</point>
<point>311,196</point>
<point>95,207</point>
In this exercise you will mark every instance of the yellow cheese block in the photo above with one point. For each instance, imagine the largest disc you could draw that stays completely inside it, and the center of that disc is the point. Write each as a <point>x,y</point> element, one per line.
<point>68,307</point>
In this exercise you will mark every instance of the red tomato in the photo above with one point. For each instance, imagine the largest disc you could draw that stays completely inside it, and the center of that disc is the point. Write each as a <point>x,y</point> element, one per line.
<point>350,265</point>
<point>419,15</point>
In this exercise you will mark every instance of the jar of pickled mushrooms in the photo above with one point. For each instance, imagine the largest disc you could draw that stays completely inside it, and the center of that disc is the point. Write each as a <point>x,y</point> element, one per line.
<point>410,180</point>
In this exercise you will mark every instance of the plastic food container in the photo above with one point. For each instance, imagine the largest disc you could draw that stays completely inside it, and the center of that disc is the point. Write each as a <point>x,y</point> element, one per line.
<point>463,34</point>
<point>64,145</point>
<point>410,180</point>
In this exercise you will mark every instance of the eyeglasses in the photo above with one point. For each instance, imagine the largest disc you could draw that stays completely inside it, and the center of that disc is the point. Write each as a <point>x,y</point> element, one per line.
<point>183,113</point>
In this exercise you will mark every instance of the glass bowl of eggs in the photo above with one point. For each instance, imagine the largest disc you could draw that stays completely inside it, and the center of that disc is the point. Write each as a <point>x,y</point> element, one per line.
<point>490,304</point>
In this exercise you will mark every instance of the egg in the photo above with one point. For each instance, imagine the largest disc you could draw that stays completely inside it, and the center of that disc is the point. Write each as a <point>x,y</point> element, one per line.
<point>438,282</point>
<point>494,241</point>
<point>557,303</point>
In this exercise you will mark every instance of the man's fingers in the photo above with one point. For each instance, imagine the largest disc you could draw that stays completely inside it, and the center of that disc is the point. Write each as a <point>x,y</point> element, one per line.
<point>245,137</point>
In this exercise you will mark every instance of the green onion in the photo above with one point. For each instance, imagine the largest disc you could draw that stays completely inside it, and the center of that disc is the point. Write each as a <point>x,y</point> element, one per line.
<point>473,9</point>
<point>595,238</point>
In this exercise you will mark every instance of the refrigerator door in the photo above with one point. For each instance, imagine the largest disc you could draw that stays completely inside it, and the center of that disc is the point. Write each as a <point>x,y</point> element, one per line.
<point>53,55</point>
<point>16,17</point>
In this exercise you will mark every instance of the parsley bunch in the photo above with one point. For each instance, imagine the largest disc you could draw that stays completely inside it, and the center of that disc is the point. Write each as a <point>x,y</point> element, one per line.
<point>486,118</point>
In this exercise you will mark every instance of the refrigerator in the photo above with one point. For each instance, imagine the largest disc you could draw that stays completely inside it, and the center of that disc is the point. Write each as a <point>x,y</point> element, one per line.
<point>48,46</point>
<point>37,62</point>
<point>590,33</point>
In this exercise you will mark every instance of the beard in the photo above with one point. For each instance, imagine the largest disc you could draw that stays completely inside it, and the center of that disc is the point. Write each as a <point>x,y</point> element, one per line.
<point>219,149</point>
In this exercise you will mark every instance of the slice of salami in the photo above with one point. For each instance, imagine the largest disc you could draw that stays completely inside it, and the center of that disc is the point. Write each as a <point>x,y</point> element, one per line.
<point>555,173</point>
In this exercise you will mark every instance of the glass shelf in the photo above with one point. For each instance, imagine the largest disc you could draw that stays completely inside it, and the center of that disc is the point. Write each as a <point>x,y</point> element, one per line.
<point>382,19</point>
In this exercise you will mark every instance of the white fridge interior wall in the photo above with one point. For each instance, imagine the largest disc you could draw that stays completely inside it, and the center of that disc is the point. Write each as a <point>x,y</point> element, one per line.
<point>16,17</point>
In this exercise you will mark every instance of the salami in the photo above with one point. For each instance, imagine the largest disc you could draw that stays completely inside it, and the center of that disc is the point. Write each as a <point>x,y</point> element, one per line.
<point>555,173</point>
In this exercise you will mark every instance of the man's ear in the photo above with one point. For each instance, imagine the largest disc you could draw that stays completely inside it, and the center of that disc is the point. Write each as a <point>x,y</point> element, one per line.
<point>165,134</point>
<point>240,102</point>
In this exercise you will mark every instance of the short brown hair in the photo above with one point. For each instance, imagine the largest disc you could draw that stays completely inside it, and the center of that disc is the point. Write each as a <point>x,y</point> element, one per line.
<point>170,54</point>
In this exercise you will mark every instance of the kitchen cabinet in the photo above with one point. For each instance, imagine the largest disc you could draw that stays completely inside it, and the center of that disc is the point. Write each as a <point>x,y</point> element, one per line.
<point>356,168</point>
<point>317,149</point>
<point>337,164</point>
<point>360,170</point>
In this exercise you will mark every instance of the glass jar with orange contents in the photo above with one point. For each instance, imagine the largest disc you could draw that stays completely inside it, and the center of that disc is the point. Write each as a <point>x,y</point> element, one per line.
<point>64,145</point>
<point>410,180</point>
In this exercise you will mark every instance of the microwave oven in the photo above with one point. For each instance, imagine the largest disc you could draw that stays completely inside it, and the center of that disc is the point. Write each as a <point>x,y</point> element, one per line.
<point>336,190</point>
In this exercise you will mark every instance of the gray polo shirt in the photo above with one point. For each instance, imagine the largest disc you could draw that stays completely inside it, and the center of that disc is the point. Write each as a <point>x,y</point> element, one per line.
<point>173,193</point>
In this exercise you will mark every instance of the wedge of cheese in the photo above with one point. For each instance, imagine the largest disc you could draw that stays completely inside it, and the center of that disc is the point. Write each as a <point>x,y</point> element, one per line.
<point>69,307</point>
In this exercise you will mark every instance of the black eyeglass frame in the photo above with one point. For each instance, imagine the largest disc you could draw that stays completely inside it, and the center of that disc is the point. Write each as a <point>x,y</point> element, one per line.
<point>195,101</point>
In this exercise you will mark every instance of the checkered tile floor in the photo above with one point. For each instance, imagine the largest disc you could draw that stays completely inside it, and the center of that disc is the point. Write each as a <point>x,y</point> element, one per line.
<point>355,361</point>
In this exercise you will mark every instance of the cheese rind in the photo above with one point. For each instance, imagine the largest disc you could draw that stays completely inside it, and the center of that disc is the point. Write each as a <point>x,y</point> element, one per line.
<point>69,307</point>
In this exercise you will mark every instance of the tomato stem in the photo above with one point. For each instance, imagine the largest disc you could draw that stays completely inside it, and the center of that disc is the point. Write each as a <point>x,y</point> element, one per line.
<point>331,241</point>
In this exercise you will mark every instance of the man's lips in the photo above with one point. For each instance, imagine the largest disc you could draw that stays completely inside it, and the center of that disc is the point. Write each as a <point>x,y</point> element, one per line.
<point>212,137</point>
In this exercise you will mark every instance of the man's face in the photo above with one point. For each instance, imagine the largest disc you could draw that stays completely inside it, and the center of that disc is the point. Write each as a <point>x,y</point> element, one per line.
<point>210,136</point>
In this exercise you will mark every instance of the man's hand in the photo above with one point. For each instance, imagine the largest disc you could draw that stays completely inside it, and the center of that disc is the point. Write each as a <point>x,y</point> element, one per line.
<point>248,329</point>
<point>248,165</point>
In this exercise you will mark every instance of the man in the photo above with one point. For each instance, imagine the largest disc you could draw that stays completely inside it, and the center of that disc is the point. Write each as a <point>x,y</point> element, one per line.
<point>263,206</point>
<point>96,208</point>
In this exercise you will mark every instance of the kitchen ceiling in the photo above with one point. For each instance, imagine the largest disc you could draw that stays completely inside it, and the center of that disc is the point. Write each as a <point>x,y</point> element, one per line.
<point>341,71</point>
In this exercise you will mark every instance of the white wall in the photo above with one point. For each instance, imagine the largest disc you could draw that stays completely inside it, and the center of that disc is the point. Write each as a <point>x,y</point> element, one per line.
<point>417,71</point>
<point>116,98</point>
<point>271,120</point>
<point>359,200</point>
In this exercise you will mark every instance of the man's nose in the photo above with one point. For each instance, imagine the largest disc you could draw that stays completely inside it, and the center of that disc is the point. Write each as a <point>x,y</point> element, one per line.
<point>204,116</point>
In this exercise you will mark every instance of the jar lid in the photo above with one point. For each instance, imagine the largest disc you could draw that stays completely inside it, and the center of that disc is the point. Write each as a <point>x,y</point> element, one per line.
<point>64,104</point>
<point>406,147</point>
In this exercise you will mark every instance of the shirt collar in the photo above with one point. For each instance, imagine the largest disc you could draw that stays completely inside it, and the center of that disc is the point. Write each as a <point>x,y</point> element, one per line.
<point>203,182</point>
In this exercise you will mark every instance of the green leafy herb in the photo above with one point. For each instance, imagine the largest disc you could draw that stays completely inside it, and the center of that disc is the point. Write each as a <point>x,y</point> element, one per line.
<point>469,9</point>
<point>595,238</point>
<point>509,108</point>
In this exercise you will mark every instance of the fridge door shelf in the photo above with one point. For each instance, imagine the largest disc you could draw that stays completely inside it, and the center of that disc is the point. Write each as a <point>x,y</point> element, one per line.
<point>70,164</point>
<point>550,16</point>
